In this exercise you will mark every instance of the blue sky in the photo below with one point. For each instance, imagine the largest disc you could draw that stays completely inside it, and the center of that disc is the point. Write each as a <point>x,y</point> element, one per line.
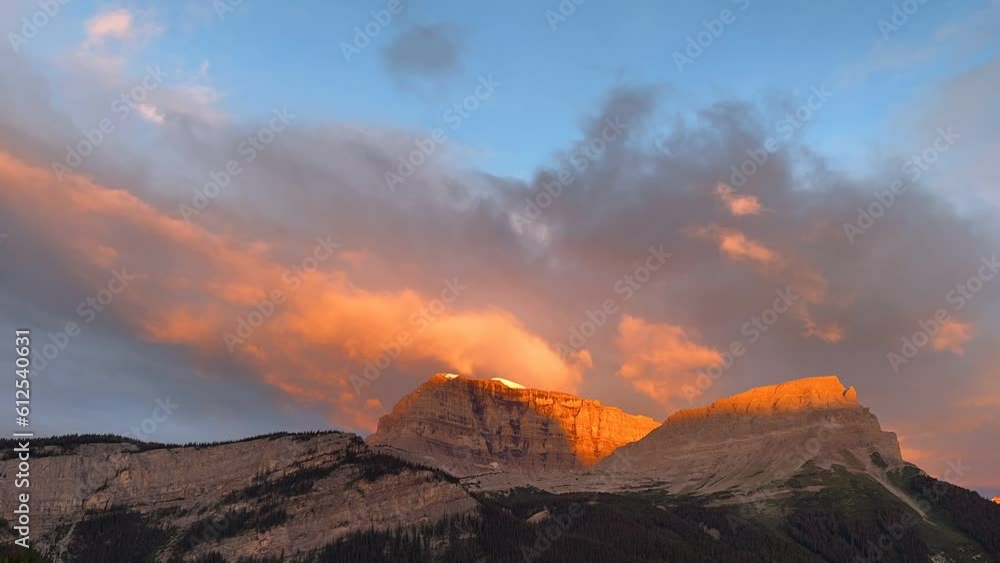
<point>551,77</point>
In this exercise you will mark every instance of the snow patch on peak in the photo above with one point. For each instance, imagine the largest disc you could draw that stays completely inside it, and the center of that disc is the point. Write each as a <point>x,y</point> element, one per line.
<point>451,376</point>
<point>509,383</point>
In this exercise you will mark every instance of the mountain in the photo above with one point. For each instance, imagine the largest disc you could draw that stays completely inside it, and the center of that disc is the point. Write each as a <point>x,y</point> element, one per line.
<point>794,473</point>
<point>761,436</point>
<point>471,427</point>
<point>268,495</point>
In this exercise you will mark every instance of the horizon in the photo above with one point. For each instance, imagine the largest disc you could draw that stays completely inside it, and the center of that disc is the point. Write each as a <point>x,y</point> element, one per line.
<point>231,230</point>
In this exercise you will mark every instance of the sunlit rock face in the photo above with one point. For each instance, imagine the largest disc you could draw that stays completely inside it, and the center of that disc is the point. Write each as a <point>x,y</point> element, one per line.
<point>996,500</point>
<point>762,436</point>
<point>470,427</point>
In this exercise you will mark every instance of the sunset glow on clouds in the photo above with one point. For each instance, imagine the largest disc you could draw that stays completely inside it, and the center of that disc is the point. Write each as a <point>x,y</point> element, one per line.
<point>738,205</point>
<point>381,288</point>
<point>952,337</point>
<point>115,23</point>
<point>321,316</point>
<point>738,246</point>
<point>657,359</point>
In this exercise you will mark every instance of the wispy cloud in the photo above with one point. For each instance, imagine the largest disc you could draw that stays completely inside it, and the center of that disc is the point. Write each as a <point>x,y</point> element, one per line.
<point>737,246</point>
<point>737,204</point>
<point>952,337</point>
<point>116,24</point>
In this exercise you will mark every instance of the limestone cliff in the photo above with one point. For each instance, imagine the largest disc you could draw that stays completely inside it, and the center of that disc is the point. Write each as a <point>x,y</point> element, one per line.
<point>468,427</point>
<point>762,436</point>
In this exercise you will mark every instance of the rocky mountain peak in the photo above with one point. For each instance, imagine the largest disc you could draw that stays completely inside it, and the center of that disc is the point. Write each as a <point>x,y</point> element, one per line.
<point>811,393</point>
<point>471,426</point>
<point>761,435</point>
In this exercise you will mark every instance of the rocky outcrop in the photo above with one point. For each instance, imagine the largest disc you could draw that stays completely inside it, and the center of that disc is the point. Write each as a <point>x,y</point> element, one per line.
<point>470,427</point>
<point>762,436</point>
<point>314,489</point>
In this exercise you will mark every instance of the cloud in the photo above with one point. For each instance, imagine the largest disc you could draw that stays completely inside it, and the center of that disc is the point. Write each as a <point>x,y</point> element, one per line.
<point>151,113</point>
<point>736,246</point>
<point>116,24</point>
<point>830,334</point>
<point>961,36</point>
<point>952,337</point>
<point>121,25</point>
<point>738,205</point>
<point>110,68</point>
<point>965,104</point>
<point>657,359</point>
<point>321,319</point>
<point>887,58</point>
<point>424,51</point>
<point>192,101</point>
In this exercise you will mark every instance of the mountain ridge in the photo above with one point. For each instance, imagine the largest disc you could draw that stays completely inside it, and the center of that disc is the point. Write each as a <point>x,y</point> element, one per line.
<point>798,471</point>
<point>471,425</point>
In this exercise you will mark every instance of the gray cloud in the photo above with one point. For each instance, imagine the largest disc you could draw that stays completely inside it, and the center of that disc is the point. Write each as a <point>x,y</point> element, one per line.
<point>424,51</point>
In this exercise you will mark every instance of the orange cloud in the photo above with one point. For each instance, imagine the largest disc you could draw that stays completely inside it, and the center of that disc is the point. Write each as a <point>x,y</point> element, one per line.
<point>831,333</point>
<point>657,359</point>
<point>368,326</point>
<point>738,205</point>
<point>737,246</point>
<point>952,337</point>
<point>305,334</point>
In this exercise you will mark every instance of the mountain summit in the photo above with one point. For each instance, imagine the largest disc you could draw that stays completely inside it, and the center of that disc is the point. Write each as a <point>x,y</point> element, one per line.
<point>801,394</point>
<point>764,435</point>
<point>505,434</point>
<point>470,426</point>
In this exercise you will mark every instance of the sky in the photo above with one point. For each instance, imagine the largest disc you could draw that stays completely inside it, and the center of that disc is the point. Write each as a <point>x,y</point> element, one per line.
<point>225,218</point>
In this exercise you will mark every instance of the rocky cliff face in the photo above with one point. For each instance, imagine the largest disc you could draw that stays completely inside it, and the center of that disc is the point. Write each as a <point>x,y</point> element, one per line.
<point>762,436</point>
<point>262,496</point>
<point>471,427</point>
